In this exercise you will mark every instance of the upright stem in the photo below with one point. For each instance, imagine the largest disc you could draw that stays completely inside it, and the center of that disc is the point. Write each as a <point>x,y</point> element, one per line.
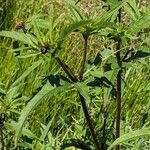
<point>119,99</point>
<point>84,57</point>
<point>104,127</point>
<point>1,133</point>
<point>73,78</point>
<point>118,106</point>
<point>89,122</point>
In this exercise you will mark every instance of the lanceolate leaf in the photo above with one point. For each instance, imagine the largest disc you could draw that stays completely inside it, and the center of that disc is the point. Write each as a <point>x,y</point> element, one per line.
<point>141,23</point>
<point>131,136</point>
<point>132,9</point>
<point>72,27</point>
<point>75,10</point>
<point>25,38</point>
<point>47,90</point>
<point>27,72</point>
<point>101,20</point>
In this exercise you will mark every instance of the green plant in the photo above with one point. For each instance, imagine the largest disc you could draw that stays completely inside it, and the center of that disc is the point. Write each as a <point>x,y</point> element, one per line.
<point>48,39</point>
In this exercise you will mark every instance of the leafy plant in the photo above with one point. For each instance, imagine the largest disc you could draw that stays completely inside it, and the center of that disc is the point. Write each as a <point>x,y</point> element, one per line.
<point>44,40</point>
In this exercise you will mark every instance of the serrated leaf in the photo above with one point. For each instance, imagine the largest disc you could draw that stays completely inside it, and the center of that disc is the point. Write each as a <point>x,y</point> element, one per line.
<point>74,9</point>
<point>142,23</point>
<point>25,38</point>
<point>131,136</point>
<point>47,90</point>
<point>72,27</point>
<point>132,10</point>
<point>102,20</point>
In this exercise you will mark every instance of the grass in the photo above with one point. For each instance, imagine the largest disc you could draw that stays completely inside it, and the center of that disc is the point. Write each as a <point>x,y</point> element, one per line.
<point>59,122</point>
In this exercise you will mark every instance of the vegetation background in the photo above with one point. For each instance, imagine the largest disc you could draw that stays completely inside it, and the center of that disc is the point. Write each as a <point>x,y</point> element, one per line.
<point>57,121</point>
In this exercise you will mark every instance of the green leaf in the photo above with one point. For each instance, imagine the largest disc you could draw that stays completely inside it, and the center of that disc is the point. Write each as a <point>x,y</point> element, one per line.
<point>28,55</point>
<point>142,23</point>
<point>45,132</point>
<point>145,132</point>
<point>29,134</point>
<point>27,72</point>
<point>97,73</point>
<point>147,41</point>
<point>74,9</point>
<point>12,92</point>
<point>112,3</point>
<point>132,10</point>
<point>101,21</point>
<point>26,38</point>
<point>47,90</point>
<point>72,27</point>
<point>47,128</point>
<point>83,89</point>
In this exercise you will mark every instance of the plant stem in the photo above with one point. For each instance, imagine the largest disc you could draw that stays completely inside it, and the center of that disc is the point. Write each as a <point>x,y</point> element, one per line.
<point>118,106</point>
<point>1,133</point>
<point>73,78</point>
<point>119,99</point>
<point>82,100</point>
<point>104,127</point>
<point>67,70</point>
<point>89,122</point>
<point>84,57</point>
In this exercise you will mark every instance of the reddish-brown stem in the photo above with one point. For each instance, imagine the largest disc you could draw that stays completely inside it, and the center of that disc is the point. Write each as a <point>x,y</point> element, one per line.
<point>84,57</point>
<point>89,122</point>
<point>1,133</point>
<point>67,70</point>
<point>73,78</point>
<point>118,106</point>
<point>119,99</point>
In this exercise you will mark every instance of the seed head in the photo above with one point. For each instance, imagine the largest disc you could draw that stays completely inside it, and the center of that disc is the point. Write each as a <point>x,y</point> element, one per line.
<point>44,49</point>
<point>20,25</point>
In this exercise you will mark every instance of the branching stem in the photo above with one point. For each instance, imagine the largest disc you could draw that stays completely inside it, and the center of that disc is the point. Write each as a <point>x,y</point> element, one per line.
<point>73,78</point>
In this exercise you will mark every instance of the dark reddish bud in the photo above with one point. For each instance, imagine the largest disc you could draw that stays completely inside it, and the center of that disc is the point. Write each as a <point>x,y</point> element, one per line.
<point>44,49</point>
<point>20,25</point>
